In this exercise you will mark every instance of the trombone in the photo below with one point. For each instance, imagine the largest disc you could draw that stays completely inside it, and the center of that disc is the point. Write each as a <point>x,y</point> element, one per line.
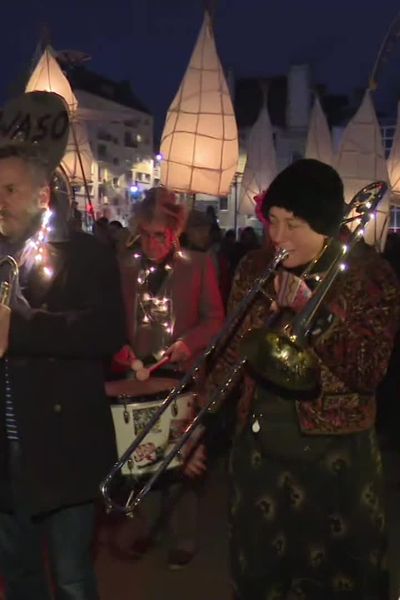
<point>220,341</point>
<point>284,359</point>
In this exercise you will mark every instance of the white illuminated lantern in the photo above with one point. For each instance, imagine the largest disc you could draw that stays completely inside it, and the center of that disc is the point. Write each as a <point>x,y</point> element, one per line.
<point>72,163</point>
<point>393,163</point>
<point>47,76</point>
<point>261,166</point>
<point>319,140</point>
<point>199,143</point>
<point>360,161</point>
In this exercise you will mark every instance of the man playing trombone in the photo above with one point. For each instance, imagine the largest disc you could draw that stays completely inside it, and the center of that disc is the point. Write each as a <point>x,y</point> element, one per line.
<point>57,438</point>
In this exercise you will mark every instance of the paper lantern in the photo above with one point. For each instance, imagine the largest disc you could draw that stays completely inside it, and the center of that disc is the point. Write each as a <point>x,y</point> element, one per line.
<point>361,160</point>
<point>73,163</point>
<point>319,140</point>
<point>199,143</point>
<point>261,165</point>
<point>48,77</point>
<point>393,163</point>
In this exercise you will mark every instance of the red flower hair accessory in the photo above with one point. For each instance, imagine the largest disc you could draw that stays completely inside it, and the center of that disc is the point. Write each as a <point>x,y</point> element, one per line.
<point>259,204</point>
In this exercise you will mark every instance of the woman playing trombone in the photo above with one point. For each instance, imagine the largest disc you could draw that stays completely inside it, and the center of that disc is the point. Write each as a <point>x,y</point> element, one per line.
<point>307,513</point>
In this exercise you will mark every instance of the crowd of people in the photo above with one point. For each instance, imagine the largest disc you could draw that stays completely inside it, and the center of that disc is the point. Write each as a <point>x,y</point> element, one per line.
<point>307,506</point>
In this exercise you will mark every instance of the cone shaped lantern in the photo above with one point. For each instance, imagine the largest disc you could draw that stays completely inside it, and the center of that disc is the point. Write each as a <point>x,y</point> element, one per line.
<point>394,163</point>
<point>48,77</point>
<point>78,137</point>
<point>199,143</point>
<point>319,140</point>
<point>261,166</point>
<point>360,161</point>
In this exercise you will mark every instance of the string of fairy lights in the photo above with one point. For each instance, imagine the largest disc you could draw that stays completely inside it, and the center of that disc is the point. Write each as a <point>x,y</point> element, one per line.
<point>36,250</point>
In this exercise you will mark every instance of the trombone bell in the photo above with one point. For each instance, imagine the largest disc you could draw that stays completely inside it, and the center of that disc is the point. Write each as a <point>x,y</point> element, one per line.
<point>279,360</point>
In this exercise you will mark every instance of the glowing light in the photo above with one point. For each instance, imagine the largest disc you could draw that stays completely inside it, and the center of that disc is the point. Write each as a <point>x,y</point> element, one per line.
<point>360,233</point>
<point>48,272</point>
<point>136,256</point>
<point>343,267</point>
<point>371,217</point>
<point>345,248</point>
<point>134,189</point>
<point>368,204</point>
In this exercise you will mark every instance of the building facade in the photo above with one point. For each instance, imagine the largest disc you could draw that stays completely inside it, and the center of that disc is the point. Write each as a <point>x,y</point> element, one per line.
<point>120,134</point>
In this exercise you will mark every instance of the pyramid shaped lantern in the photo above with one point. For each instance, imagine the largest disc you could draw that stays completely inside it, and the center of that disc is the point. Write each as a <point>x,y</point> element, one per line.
<point>319,140</point>
<point>261,165</point>
<point>199,144</point>
<point>361,160</point>
<point>394,163</point>
<point>48,76</point>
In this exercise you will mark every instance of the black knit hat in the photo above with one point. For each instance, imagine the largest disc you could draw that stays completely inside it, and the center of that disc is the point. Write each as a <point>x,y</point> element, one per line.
<point>312,191</point>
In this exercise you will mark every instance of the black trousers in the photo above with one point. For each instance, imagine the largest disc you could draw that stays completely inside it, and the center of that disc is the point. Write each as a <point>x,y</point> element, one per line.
<point>64,536</point>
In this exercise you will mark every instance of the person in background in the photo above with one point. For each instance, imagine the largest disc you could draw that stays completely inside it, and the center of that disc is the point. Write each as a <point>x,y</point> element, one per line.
<point>185,281</point>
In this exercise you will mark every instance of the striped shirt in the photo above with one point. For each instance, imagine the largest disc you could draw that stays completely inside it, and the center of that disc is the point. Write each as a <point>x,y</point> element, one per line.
<point>11,421</point>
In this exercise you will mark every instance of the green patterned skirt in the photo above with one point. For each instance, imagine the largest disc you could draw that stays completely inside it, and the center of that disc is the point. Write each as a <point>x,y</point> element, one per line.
<point>307,513</point>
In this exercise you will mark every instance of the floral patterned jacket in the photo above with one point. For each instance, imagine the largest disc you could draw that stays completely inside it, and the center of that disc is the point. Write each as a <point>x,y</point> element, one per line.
<point>353,352</point>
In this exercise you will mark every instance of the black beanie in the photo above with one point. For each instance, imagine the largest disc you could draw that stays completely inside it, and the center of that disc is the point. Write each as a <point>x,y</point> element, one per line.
<point>312,191</point>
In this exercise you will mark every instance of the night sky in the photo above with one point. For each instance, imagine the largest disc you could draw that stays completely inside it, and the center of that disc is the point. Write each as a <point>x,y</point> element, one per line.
<point>149,41</point>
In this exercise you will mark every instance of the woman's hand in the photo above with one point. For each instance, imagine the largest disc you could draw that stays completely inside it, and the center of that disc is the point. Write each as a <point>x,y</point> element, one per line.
<point>196,463</point>
<point>291,291</point>
<point>178,352</point>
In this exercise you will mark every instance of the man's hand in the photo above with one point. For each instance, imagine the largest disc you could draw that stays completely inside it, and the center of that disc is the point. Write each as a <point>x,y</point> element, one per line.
<point>178,352</point>
<point>5,316</point>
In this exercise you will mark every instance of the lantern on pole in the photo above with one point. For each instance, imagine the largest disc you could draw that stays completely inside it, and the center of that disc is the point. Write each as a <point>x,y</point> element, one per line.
<point>319,139</point>
<point>77,162</point>
<point>199,143</point>
<point>360,161</point>
<point>261,164</point>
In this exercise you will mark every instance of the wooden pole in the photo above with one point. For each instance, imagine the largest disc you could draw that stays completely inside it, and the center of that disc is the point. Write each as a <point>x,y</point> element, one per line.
<point>85,183</point>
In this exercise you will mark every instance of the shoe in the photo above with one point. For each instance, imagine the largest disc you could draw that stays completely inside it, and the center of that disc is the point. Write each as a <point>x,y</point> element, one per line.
<point>179,558</point>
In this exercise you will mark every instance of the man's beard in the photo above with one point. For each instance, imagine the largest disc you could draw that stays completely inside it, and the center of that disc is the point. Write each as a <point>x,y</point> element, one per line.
<point>32,223</point>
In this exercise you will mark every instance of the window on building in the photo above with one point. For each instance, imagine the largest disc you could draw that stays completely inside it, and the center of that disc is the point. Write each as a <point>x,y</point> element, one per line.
<point>223,203</point>
<point>115,161</point>
<point>129,142</point>
<point>102,151</point>
<point>394,223</point>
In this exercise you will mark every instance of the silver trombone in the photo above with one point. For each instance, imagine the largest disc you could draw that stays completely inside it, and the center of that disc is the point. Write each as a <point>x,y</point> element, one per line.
<point>220,341</point>
<point>284,361</point>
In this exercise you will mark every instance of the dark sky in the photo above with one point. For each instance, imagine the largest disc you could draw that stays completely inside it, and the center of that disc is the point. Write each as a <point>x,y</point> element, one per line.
<point>149,41</point>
